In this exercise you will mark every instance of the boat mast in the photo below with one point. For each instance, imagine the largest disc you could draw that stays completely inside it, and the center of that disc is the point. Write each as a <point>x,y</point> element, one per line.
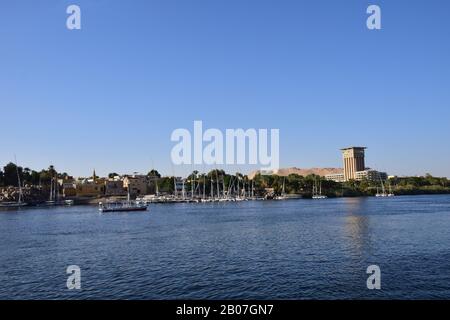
<point>204,186</point>
<point>192,185</point>
<point>51,189</point>
<point>175,186</point>
<point>212,188</point>
<point>238,191</point>
<point>253,190</point>
<point>18,181</point>
<point>383,190</point>
<point>217,183</point>
<point>56,185</point>
<point>223,186</point>
<point>183,192</point>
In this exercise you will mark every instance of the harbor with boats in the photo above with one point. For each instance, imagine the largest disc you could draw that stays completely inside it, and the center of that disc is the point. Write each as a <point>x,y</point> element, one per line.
<point>23,187</point>
<point>136,191</point>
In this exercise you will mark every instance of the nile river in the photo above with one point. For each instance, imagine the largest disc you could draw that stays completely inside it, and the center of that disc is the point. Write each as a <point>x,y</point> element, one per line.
<point>295,249</point>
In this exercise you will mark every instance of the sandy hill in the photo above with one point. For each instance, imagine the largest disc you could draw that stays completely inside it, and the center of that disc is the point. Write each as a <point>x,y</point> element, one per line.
<point>302,172</point>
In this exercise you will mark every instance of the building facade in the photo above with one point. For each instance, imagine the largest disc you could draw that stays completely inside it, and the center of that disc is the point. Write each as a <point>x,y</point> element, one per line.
<point>337,177</point>
<point>89,189</point>
<point>371,175</point>
<point>353,158</point>
<point>136,184</point>
<point>114,187</point>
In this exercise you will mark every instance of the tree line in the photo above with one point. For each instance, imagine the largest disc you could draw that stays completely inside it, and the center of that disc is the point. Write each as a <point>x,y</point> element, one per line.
<point>218,181</point>
<point>9,176</point>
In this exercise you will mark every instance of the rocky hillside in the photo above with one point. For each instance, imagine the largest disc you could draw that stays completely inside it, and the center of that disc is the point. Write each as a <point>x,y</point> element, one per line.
<point>302,172</point>
<point>30,194</point>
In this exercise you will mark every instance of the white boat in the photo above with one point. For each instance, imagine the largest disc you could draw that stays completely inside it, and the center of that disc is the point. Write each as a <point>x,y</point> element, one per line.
<point>122,206</point>
<point>383,193</point>
<point>283,192</point>
<point>390,194</point>
<point>69,202</point>
<point>51,203</point>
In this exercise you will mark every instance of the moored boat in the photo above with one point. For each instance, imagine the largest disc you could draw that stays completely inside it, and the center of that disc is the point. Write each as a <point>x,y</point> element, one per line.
<point>318,194</point>
<point>122,206</point>
<point>12,204</point>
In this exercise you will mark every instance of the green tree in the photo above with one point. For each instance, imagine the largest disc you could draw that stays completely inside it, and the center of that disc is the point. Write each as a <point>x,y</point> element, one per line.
<point>10,174</point>
<point>154,174</point>
<point>35,178</point>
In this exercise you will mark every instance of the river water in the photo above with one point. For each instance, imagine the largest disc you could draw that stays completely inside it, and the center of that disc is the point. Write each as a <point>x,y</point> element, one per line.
<point>295,249</point>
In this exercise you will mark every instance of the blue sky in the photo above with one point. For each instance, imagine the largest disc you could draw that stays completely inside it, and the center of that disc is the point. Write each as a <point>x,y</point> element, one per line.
<point>109,95</point>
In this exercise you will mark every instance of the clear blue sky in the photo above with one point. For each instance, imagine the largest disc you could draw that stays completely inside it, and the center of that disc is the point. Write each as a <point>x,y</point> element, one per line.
<point>108,96</point>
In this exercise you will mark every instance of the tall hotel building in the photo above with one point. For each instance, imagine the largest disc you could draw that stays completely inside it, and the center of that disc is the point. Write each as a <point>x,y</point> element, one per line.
<point>355,167</point>
<point>353,161</point>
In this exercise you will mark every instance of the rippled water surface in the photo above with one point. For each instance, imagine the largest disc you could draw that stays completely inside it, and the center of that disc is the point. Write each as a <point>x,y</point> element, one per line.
<point>296,249</point>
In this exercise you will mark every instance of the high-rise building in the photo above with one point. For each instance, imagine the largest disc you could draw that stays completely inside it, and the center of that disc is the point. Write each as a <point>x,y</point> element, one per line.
<point>355,168</point>
<point>353,158</point>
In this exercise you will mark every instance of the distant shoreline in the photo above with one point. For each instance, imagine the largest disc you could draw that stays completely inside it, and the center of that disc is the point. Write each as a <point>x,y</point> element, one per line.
<point>95,202</point>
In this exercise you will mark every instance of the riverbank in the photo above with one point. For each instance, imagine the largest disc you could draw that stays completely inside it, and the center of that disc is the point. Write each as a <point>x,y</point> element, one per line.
<point>95,201</point>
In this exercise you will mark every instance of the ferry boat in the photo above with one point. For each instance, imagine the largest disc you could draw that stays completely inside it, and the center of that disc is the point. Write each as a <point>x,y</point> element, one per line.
<point>122,206</point>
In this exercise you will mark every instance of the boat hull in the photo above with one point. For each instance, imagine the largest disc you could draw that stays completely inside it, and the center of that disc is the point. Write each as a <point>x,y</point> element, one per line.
<point>123,209</point>
<point>13,205</point>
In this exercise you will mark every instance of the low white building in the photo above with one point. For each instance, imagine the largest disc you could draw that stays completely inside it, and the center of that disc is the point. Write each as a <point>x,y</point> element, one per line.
<point>368,174</point>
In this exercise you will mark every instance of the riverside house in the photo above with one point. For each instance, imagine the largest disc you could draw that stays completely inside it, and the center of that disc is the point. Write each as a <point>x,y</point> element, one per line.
<point>137,184</point>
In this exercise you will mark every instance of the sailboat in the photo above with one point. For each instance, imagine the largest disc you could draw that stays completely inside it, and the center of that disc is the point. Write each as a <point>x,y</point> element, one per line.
<point>53,201</point>
<point>19,202</point>
<point>383,191</point>
<point>283,192</point>
<point>390,194</point>
<point>54,198</point>
<point>318,195</point>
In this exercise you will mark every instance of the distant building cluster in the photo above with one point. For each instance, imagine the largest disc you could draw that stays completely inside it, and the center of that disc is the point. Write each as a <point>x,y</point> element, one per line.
<point>138,185</point>
<point>355,168</point>
<point>135,184</point>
